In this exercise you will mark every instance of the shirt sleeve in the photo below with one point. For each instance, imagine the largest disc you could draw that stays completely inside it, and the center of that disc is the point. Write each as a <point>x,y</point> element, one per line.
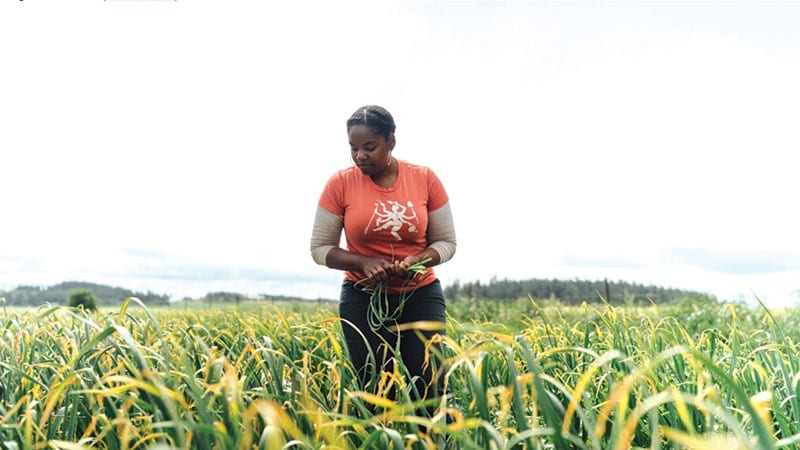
<point>437,196</point>
<point>442,232</point>
<point>332,197</point>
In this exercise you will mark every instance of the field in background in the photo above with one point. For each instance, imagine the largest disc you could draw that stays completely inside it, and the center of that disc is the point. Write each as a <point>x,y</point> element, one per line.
<point>519,375</point>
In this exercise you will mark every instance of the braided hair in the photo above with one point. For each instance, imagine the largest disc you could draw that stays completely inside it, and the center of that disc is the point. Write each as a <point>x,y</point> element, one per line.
<point>375,118</point>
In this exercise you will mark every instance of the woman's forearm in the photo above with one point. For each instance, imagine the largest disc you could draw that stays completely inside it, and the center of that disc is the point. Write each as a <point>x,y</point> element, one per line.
<point>430,255</point>
<point>341,259</point>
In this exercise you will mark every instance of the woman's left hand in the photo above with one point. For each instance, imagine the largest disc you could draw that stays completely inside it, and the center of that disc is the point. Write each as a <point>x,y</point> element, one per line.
<point>400,268</point>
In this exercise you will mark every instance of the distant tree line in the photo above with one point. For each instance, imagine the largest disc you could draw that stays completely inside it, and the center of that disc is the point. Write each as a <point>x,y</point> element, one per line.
<point>570,291</point>
<point>235,297</point>
<point>223,297</point>
<point>58,294</point>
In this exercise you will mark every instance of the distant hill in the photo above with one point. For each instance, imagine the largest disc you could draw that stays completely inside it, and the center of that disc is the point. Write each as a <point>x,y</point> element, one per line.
<point>57,294</point>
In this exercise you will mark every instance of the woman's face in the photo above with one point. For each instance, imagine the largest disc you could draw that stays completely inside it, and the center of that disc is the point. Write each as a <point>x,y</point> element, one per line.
<point>371,152</point>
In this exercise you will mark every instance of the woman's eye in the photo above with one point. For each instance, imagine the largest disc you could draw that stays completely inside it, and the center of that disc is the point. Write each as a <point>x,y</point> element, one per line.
<point>366,149</point>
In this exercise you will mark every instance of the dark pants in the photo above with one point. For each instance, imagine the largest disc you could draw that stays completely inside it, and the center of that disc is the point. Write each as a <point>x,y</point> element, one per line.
<point>374,351</point>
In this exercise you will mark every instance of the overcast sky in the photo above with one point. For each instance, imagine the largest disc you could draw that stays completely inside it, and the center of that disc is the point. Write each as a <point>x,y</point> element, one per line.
<point>181,147</point>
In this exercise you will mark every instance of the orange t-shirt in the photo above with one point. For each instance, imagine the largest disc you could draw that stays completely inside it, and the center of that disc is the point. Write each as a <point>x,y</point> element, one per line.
<point>389,223</point>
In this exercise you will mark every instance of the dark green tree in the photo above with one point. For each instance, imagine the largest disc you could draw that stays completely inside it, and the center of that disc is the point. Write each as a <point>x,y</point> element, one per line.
<point>82,298</point>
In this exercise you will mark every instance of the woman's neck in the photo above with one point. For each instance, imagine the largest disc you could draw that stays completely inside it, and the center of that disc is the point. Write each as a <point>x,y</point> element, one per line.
<point>388,176</point>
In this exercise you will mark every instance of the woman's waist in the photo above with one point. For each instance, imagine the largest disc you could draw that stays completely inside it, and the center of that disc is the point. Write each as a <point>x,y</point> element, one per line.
<point>394,285</point>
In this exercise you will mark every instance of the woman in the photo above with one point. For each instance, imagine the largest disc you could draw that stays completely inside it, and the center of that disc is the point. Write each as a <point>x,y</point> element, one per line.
<point>397,223</point>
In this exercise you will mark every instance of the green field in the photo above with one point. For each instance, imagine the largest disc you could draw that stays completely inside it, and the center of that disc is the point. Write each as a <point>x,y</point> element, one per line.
<point>519,375</point>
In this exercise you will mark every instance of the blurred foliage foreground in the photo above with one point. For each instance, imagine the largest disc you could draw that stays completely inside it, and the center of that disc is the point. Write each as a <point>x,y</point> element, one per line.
<point>519,375</point>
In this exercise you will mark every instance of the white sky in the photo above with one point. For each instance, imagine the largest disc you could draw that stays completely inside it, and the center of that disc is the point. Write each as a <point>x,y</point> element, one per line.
<point>181,147</point>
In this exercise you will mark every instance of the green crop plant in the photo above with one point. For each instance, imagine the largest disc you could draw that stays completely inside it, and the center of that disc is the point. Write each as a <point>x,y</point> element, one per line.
<point>268,376</point>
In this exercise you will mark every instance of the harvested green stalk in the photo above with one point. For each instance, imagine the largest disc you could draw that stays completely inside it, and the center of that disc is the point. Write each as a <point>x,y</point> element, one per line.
<point>380,311</point>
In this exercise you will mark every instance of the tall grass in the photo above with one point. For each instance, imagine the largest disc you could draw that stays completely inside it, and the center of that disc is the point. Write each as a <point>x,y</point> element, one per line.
<point>269,377</point>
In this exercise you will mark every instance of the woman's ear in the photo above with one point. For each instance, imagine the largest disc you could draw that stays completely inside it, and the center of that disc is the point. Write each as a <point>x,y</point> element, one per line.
<point>391,141</point>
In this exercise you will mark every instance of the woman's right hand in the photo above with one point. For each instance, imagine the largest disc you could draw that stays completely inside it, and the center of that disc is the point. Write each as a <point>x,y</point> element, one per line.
<point>376,269</point>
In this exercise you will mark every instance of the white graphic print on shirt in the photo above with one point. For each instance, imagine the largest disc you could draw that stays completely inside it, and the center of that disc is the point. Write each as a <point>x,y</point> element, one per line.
<point>393,217</point>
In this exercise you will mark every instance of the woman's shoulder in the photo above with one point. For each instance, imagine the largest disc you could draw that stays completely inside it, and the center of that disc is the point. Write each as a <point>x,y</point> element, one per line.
<point>419,172</point>
<point>348,173</point>
<point>415,168</point>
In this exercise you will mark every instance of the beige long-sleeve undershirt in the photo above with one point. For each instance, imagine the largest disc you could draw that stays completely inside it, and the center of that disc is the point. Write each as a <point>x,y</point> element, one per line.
<point>327,232</point>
